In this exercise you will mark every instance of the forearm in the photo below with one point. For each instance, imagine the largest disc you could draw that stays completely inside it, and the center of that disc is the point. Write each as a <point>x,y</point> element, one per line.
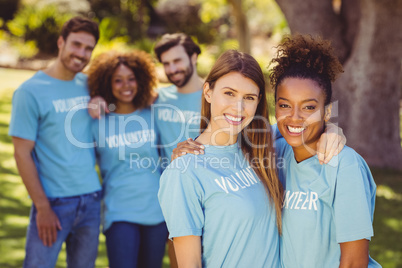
<point>354,254</point>
<point>30,178</point>
<point>188,251</point>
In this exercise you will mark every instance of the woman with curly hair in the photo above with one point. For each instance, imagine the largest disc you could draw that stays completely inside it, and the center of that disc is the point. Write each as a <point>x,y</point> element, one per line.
<point>327,209</point>
<point>128,159</point>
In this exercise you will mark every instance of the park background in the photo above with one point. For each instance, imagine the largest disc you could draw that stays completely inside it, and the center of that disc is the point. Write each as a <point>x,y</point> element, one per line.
<point>365,33</point>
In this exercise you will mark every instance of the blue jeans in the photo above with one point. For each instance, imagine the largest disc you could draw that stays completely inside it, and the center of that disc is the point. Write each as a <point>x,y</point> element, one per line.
<point>131,245</point>
<point>79,217</point>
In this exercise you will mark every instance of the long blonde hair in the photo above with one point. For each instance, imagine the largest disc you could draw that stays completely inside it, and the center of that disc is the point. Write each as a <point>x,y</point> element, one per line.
<point>257,146</point>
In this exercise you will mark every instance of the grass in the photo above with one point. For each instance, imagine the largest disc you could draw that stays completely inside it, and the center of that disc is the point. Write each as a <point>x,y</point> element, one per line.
<point>385,246</point>
<point>14,200</point>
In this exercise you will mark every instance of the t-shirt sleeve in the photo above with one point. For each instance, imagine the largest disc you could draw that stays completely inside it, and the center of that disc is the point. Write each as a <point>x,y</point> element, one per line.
<point>24,116</point>
<point>180,197</point>
<point>353,202</point>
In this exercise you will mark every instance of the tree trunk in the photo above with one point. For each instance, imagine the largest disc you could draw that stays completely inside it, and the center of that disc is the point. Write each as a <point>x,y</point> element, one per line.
<point>243,31</point>
<point>367,37</point>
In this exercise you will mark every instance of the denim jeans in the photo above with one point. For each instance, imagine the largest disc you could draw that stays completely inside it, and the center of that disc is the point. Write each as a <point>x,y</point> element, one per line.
<point>79,217</point>
<point>131,245</point>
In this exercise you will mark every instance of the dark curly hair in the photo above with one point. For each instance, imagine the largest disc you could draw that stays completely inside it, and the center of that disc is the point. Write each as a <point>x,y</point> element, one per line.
<point>306,57</point>
<point>102,68</point>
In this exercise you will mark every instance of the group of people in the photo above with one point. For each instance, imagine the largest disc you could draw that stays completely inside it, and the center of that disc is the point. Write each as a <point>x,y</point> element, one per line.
<point>224,201</point>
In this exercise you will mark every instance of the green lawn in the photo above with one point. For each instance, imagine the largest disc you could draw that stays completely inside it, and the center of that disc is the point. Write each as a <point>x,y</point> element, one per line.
<point>385,247</point>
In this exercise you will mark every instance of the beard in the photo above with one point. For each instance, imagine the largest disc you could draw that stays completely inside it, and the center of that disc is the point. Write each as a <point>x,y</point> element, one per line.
<point>188,72</point>
<point>68,62</point>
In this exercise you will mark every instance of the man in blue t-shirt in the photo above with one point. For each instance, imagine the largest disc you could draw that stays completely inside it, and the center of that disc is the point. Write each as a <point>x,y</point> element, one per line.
<point>177,111</point>
<point>51,132</point>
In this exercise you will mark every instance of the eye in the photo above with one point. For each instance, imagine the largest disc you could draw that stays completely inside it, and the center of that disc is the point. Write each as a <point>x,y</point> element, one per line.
<point>250,98</point>
<point>284,106</point>
<point>117,81</point>
<point>132,79</point>
<point>310,107</point>
<point>229,93</point>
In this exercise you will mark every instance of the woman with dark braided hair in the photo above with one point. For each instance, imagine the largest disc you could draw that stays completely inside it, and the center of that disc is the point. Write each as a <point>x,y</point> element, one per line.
<point>125,139</point>
<point>327,209</point>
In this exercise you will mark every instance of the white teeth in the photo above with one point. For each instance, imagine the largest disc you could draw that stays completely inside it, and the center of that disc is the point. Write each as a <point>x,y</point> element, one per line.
<point>128,92</point>
<point>77,60</point>
<point>236,119</point>
<point>295,129</point>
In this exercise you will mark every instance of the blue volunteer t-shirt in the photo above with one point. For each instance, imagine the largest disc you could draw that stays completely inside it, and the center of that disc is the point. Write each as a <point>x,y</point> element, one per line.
<point>177,117</point>
<point>129,163</point>
<point>324,205</point>
<point>219,197</point>
<point>53,113</point>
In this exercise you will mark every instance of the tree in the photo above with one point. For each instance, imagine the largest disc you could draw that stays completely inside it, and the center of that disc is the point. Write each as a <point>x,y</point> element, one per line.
<point>367,37</point>
<point>243,31</point>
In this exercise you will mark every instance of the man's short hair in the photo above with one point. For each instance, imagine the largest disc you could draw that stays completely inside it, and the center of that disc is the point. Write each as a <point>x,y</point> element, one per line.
<point>80,24</point>
<point>171,40</point>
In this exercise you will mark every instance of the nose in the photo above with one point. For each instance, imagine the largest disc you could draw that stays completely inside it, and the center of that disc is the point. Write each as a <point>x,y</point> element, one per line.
<point>238,105</point>
<point>172,68</point>
<point>81,52</point>
<point>295,114</point>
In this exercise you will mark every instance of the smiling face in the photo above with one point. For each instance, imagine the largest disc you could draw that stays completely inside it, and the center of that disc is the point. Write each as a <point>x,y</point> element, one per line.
<point>301,115</point>
<point>234,100</point>
<point>178,66</point>
<point>124,86</point>
<point>75,52</point>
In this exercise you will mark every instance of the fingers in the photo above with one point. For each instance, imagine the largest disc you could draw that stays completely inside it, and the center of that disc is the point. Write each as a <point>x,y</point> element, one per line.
<point>330,143</point>
<point>97,106</point>
<point>48,235</point>
<point>194,143</point>
<point>331,147</point>
<point>105,107</point>
<point>342,142</point>
<point>321,146</point>
<point>187,146</point>
<point>48,224</point>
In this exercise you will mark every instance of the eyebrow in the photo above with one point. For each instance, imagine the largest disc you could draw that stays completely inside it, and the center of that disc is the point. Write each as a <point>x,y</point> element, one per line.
<point>77,42</point>
<point>174,59</point>
<point>307,100</point>
<point>252,94</point>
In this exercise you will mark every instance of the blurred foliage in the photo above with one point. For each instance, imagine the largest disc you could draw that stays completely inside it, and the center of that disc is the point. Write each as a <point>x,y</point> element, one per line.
<point>264,16</point>
<point>25,49</point>
<point>40,25</point>
<point>127,24</point>
<point>125,17</point>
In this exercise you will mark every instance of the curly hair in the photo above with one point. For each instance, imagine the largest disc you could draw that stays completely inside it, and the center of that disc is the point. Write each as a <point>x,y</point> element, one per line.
<point>306,57</point>
<point>101,70</point>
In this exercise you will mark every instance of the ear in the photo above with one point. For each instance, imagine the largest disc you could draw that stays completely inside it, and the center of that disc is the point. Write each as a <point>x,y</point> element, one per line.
<point>207,92</point>
<point>328,111</point>
<point>60,42</point>
<point>194,58</point>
